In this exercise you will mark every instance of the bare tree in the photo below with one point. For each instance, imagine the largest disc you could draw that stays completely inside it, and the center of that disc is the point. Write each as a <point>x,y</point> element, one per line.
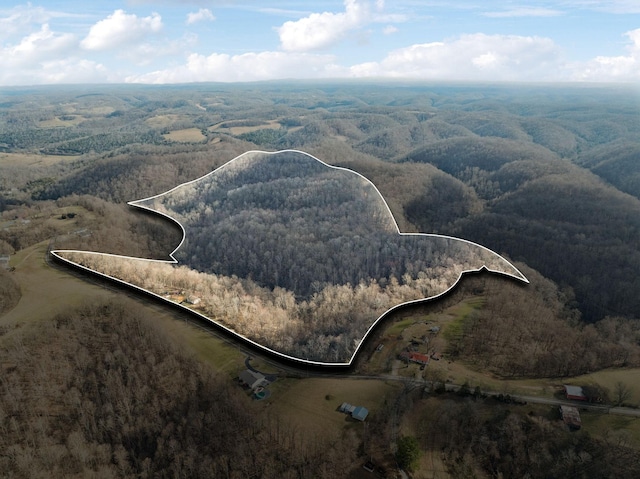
<point>621,393</point>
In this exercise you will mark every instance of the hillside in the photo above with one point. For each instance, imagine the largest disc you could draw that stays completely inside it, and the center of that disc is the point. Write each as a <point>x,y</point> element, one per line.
<point>545,176</point>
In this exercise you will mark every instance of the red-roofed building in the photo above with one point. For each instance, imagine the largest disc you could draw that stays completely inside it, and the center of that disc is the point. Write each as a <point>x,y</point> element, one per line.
<point>574,392</point>
<point>413,357</point>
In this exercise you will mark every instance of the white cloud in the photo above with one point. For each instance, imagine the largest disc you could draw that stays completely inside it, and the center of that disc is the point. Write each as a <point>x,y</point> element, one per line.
<point>119,29</point>
<point>146,53</point>
<point>618,68</point>
<point>67,70</point>
<point>19,18</point>
<point>40,45</point>
<point>202,15</point>
<point>389,29</point>
<point>471,57</point>
<point>320,30</point>
<point>73,70</point>
<point>266,65</point>
<point>524,12</point>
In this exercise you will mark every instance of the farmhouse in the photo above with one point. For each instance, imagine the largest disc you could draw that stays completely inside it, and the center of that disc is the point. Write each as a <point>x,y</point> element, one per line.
<point>4,261</point>
<point>574,392</point>
<point>413,357</point>
<point>571,417</point>
<point>252,379</point>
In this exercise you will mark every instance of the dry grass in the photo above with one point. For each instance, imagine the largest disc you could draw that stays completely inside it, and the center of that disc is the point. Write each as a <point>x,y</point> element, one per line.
<point>47,291</point>
<point>239,130</point>
<point>161,121</point>
<point>100,110</point>
<point>431,464</point>
<point>31,159</point>
<point>609,377</point>
<point>304,404</point>
<point>58,122</point>
<point>187,135</point>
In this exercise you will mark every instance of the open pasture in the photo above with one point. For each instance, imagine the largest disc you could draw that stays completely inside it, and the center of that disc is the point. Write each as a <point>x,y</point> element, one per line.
<point>186,135</point>
<point>33,159</point>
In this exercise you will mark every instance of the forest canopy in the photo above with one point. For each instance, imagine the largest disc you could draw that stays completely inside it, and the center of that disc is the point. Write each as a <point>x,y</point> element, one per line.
<point>298,256</point>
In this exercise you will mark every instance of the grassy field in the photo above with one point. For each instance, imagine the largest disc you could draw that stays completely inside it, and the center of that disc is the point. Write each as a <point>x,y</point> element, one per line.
<point>622,429</point>
<point>458,313</point>
<point>58,122</point>
<point>187,135</point>
<point>311,403</point>
<point>239,130</point>
<point>161,121</point>
<point>609,377</point>
<point>32,159</point>
<point>47,291</point>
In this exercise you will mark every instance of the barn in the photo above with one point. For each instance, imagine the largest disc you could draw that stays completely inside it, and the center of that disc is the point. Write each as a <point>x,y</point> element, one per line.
<point>574,393</point>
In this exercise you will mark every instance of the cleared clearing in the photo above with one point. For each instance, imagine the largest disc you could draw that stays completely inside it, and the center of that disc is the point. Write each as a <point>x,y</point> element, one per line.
<point>161,121</point>
<point>621,429</point>
<point>609,377</point>
<point>186,135</point>
<point>58,122</point>
<point>31,159</point>
<point>431,464</point>
<point>47,291</point>
<point>239,130</point>
<point>312,404</point>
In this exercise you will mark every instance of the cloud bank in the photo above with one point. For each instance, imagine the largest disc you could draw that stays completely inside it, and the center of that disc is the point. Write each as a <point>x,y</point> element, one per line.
<point>361,39</point>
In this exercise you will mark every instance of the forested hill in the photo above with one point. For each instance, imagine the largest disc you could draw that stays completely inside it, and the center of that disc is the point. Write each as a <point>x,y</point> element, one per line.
<point>544,175</point>
<point>288,220</point>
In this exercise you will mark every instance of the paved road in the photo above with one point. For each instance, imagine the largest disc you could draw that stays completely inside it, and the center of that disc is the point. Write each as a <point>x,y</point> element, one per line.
<point>604,409</point>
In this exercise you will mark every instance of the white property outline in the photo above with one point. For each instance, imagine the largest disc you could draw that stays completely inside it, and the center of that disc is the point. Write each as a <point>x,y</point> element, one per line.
<point>173,260</point>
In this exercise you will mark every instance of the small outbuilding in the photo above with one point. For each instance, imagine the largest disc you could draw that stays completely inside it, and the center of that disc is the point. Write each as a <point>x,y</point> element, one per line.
<point>571,417</point>
<point>574,392</point>
<point>360,413</point>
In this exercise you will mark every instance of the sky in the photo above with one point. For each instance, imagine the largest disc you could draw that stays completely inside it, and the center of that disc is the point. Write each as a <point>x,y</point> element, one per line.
<point>181,41</point>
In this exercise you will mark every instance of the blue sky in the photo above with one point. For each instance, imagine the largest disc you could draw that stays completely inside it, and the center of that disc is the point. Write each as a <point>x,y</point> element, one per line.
<point>176,41</point>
